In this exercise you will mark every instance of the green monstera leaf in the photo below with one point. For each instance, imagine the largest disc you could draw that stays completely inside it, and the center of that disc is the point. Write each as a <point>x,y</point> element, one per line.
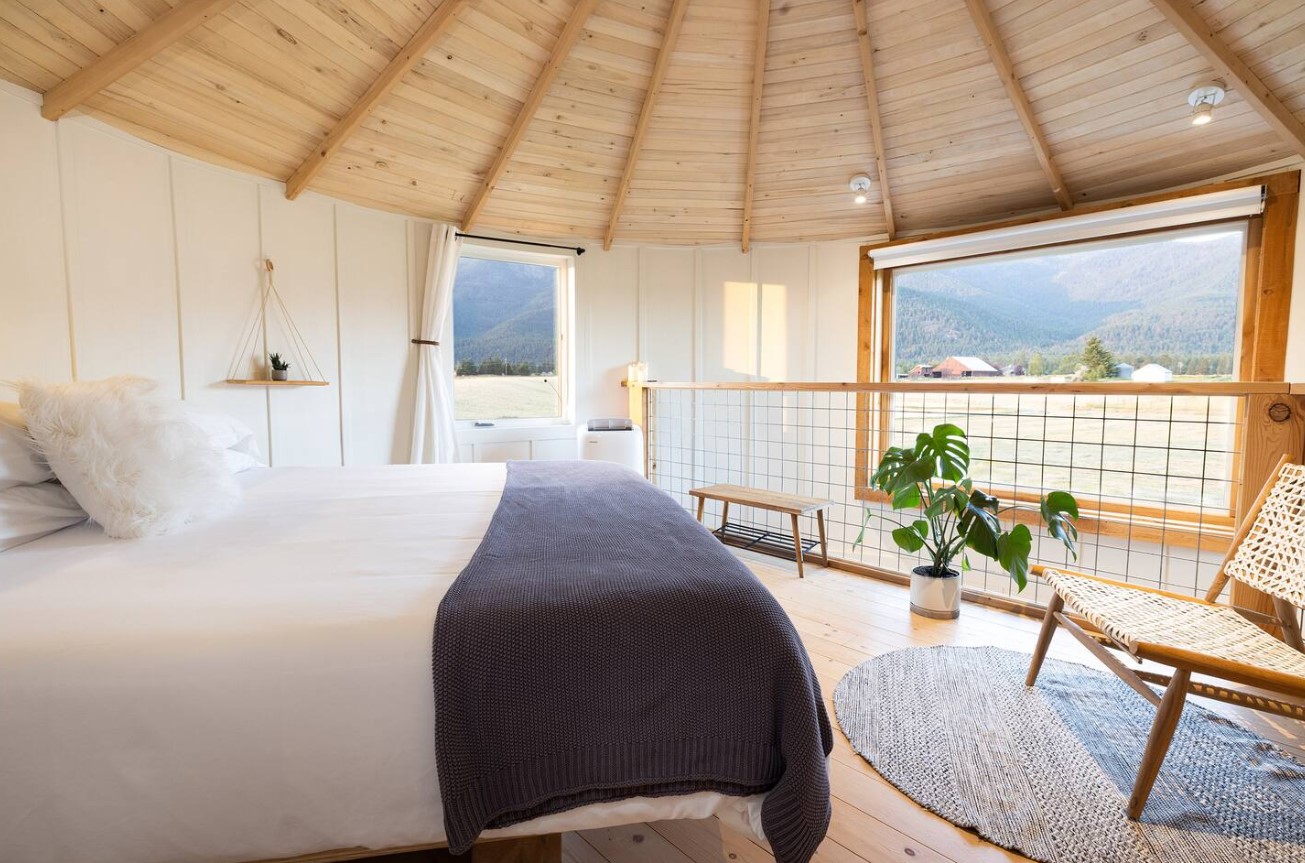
<point>1013,551</point>
<point>947,448</point>
<point>1059,512</point>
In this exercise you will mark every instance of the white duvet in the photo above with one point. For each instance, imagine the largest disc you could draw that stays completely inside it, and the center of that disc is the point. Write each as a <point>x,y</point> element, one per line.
<point>252,687</point>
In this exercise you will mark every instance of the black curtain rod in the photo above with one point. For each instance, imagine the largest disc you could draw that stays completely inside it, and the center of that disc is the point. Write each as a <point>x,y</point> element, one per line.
<point>579,250</point>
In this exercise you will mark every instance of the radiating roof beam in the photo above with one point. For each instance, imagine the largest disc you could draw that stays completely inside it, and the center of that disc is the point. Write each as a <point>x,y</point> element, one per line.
<point>127,55</point>
<point>399,66</point>
<point>1225,61</point>
<point>1006,72</point>
<point>876,119</point>
<point>673,21</point>
<point>754,119</point>
<point>575,25</point>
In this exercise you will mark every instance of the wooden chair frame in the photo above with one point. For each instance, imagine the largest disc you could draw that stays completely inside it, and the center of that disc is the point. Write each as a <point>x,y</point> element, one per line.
<point>1260,689</point>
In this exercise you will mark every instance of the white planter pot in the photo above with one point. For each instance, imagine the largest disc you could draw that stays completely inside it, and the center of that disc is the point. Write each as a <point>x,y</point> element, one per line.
<point>939,598</point>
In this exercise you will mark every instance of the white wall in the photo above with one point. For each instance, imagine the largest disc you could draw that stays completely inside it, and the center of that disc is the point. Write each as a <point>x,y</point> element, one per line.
<point>121,258</point>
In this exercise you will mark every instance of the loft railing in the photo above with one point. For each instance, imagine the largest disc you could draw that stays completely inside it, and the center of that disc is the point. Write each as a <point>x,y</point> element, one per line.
<point>1161,471</point>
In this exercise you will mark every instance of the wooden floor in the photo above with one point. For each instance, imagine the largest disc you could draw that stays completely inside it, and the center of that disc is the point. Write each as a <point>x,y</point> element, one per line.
<point>844,620</point>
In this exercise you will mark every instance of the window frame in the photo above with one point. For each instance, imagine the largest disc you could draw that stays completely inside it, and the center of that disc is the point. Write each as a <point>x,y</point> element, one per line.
<point>565,323</point>
<point>1259,352</point>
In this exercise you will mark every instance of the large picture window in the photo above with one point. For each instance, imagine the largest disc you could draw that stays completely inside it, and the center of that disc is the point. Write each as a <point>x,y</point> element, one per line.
<point>1097,339</point>
<point>1157,307</point>
<point>510,314</point>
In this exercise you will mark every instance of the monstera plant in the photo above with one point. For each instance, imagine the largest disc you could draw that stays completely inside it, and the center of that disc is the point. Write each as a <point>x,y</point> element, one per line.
<point>957,519</point>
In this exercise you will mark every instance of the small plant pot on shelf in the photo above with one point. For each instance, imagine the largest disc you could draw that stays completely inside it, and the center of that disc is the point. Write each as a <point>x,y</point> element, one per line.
<point>936,596</point>
<point>280,374</point>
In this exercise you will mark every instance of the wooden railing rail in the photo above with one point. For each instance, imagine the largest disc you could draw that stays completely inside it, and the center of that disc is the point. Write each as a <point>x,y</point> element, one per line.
<point>989,386</point>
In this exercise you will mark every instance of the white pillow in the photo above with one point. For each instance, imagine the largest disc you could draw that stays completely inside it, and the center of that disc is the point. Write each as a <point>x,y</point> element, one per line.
<point>237,440</point>
<point>133,460</point>
<point>20,463</point>
<point>29,512</point>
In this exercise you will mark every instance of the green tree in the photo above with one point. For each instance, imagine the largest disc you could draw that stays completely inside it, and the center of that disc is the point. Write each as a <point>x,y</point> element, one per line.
<point>1098,362</point>
<point>1037,365</point>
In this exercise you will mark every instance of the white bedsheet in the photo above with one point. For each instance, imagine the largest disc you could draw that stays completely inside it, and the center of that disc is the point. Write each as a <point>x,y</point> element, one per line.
<point>255,686</point>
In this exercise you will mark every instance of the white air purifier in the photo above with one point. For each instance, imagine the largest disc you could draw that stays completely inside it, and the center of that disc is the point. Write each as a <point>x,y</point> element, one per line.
<point>616,440</point>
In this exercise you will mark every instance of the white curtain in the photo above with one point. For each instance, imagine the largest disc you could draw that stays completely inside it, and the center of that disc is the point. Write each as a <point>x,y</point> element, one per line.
<point>434,433</point>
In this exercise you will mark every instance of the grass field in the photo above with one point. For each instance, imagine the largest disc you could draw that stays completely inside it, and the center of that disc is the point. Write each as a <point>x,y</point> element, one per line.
<point>494,397</point>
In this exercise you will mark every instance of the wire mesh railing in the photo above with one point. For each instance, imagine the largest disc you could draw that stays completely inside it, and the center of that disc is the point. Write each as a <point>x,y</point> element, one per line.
<point>1158,470</point>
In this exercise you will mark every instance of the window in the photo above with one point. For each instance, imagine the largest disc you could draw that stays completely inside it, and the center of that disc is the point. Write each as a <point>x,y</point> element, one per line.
<point>510,316</point>
<point>1025,331</point>
<point>1155,308</point>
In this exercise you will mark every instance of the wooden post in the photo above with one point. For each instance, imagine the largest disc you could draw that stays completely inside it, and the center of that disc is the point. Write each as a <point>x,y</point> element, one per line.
<point>1272,425</point>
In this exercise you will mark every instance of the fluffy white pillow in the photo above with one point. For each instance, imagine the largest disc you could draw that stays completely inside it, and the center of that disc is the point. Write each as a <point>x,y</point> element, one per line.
<point>133,460</point>
<point>29,512</point>
<point>20,463</point>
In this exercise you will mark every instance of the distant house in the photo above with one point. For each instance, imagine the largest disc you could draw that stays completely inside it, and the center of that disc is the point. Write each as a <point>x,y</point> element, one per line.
<point>1153,373</point>
<point>921,371</point>
<point>1013,371</point>
<point>1124,371</point>
<point>964,367</point>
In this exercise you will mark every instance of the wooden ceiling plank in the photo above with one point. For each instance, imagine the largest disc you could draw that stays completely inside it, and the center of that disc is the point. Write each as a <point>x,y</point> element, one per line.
<point>754,121</point>
<point>400,65</point>
<point>127,55</point>
<point>1225,61</point>
<point>575,25</point>
<point>876,117</point>
<point>673,21</point>
<point>1006,71</point>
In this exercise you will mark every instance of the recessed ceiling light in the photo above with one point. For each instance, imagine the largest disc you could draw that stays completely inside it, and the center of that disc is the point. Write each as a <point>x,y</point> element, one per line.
<point>1203,99</point>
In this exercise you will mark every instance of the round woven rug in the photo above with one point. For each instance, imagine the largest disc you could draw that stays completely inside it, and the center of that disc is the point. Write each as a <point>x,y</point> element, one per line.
<point>1047,771</point>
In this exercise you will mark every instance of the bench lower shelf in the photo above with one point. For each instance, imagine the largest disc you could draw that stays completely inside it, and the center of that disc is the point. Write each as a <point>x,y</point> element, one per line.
<point>775,543</point>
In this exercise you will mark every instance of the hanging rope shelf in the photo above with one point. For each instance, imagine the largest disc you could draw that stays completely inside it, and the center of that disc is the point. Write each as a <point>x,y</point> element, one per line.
<point>256,333</point>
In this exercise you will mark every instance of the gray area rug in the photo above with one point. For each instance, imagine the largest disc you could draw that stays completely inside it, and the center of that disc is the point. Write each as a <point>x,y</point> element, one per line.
<point>1047,771</point>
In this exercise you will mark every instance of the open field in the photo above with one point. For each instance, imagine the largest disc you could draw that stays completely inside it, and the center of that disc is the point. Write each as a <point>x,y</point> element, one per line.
<point>492,397</point>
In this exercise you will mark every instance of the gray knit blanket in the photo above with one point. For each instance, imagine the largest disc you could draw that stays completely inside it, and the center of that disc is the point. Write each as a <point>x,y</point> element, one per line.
<point>601,645</point>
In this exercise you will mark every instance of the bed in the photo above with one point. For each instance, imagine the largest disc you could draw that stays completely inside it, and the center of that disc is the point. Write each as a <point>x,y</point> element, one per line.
<point>254,687</point>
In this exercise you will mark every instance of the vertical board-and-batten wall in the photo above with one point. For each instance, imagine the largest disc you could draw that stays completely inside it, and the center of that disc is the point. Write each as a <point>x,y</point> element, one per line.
<point>118,257</point>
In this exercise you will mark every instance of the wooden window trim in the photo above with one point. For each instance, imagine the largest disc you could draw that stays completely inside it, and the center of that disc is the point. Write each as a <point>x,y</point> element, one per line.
<point>1268,264</point>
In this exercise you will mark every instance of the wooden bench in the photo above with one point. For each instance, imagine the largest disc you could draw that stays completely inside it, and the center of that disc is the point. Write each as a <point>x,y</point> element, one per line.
<point>774,501</point>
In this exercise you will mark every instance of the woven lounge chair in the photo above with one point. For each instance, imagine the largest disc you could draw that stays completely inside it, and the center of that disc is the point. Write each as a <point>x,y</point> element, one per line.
<point>1200,636</point>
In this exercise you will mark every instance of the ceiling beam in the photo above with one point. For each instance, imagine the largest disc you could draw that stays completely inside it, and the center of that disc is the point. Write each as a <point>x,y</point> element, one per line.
<point>1225,61</point>
<point>876,118</point>
<point>400,65</point>
<point>127,55</point>
<point>673,21</point>
<point>1006,72</point>
<point>754,119</point>
<point>575,25</point>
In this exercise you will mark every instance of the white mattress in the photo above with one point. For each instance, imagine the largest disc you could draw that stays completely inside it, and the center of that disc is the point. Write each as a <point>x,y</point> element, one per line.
<point>255,686</point>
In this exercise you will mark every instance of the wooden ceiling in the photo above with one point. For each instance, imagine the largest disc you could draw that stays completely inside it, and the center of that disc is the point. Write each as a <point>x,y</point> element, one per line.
<point>684,121</point>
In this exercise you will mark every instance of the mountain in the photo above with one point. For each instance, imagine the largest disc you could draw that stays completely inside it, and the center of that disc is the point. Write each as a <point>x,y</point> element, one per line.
<point>505,310</point>
<point>1173,301</point>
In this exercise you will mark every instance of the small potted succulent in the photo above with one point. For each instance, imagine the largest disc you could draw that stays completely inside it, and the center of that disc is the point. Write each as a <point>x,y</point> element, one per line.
<point>956,518</point>
<point>280,367</point>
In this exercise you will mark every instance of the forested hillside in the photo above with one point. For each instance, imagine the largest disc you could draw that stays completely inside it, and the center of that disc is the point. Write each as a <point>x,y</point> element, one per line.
<point>1173,302</point>
<point>504,318</point>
